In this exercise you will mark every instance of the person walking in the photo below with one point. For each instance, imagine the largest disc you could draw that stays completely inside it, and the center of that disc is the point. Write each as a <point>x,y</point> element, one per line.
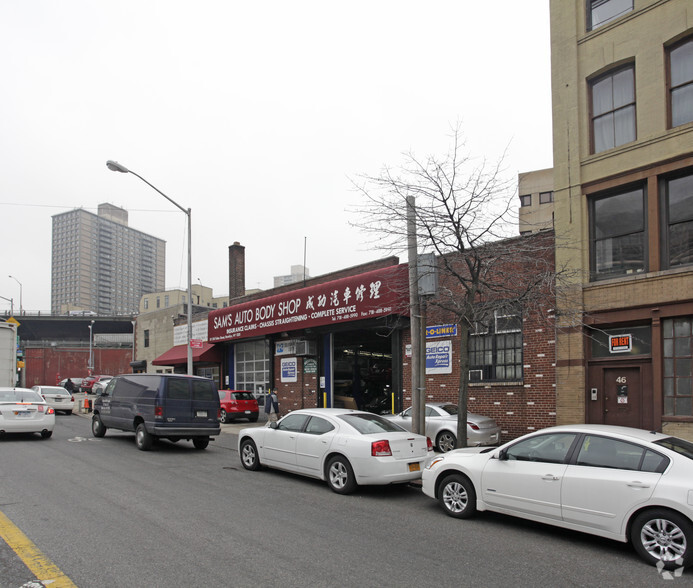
<point>272,406</point>
<point>70,386</point>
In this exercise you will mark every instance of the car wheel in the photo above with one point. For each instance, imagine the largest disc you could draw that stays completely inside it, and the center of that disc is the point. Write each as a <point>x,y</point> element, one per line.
<point>46,434</point>
<point>663,537</point>
<point>143,440</point>
<point>97,427</point>
<point>340,475</point>
<point>201,442</point>
<point>249,456</point>
<point>457,496</point>
<point>446,441</point>
<point>223,417</point>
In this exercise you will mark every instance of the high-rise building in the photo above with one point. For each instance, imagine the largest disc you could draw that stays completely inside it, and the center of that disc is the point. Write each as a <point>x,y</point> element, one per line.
<point>622,81</point>
<point>101,265</point>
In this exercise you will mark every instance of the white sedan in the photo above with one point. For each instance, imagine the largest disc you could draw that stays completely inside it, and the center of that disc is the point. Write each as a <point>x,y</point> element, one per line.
<point>59,399</point>
<point>615,482</point>
<point>344,447</point>
<point>24,411</point>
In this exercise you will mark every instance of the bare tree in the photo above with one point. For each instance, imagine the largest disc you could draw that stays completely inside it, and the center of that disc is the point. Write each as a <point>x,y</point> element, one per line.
<point>464,214</point>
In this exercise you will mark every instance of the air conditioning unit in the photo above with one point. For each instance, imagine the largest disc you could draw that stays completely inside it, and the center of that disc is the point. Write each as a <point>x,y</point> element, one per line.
<point>476,375</point>
<point>305,348</point>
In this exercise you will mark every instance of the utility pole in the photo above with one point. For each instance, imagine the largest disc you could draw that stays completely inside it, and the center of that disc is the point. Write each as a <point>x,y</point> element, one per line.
<point>415,317</point>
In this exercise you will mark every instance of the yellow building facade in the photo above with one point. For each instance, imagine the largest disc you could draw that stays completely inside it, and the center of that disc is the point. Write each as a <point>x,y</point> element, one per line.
<point>622,86</point>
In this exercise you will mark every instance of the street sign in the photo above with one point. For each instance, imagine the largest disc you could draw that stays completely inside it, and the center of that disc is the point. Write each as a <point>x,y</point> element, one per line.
<point>196,343</point>
<point>13,320</point>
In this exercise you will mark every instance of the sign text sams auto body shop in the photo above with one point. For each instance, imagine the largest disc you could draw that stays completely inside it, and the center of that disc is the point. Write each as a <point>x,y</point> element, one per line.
<point>365,296</point>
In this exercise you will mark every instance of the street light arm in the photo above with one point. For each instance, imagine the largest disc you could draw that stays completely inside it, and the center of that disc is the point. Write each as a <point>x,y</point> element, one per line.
<point>115,166</point>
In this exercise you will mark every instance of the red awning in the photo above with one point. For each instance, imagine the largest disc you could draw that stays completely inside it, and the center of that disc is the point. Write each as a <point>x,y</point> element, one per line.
<point>178,355</point>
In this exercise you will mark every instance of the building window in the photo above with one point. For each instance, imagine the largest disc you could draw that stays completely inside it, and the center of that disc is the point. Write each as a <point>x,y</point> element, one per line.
<point>681,83</point>
<point>158,302</point>
<point>146,337</point>
<point>599,12</point>
<point>613,109</point>
<point>495,350</point>
<point>545,197</point>
<point>146,303</point>
<point>166,301</point>
<point>526,200</point>
<point>678,219</point>
<point>678,368</point>
<point>617,234</point>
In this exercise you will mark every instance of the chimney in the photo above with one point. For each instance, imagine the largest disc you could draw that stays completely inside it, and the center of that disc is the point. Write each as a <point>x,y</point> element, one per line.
<point>236,270</point>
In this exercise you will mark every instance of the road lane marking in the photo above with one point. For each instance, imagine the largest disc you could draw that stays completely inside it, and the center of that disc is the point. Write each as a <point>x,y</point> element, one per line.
<point>43,568</point>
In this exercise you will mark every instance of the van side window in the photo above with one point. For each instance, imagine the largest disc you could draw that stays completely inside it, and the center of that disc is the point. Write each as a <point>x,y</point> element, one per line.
<point>203,390</point>
<point>178,389</point>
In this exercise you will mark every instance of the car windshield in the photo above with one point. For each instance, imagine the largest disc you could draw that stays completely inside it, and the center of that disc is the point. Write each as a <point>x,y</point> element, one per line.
<point>370,423</point>
<point>685,448</point>
<point>12,396</point>
<point>449,408</point>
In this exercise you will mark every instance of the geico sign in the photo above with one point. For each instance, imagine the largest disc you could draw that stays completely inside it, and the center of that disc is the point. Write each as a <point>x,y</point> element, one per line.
<point>437,349</point>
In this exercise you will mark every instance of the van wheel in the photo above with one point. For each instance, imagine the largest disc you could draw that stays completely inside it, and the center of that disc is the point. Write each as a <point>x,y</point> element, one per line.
<point>97,427</point>
<point>201,442</point>
<point>143,440</point>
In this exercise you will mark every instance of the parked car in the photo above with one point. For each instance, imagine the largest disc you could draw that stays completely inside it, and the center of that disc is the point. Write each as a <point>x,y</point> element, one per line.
<point>100,385</point>
<point>88,383</point>
<point>24,411</point>
<point>615,482</point>
<point>76,383</point>
<point>441,426</point>
<point>159,406</point>
<point>344,447</point>
<point>59,399</point>
<point>237,404</point>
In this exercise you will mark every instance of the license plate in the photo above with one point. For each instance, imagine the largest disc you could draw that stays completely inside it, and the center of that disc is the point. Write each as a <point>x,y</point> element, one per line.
<point>22,414</point>
<point>247,412</point>
<point>201,413</point>
<point>414,467</point>
<point>58,399</point>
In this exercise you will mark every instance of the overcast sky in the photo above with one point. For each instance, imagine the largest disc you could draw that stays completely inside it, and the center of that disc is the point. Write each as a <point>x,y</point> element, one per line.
<point>253,114</point>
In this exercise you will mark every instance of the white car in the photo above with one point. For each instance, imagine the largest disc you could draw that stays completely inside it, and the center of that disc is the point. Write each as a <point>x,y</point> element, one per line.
<point>24,411</point>
<point>615,482</point>
<point>441,426</point>
<point>344,447</point>
<point>57,398</point>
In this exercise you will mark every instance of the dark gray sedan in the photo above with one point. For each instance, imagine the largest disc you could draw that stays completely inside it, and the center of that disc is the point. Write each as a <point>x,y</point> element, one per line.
<point>441,426</point>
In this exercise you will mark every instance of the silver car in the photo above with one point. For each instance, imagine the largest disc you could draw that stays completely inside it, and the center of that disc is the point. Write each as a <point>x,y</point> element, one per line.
<point>441,426</point>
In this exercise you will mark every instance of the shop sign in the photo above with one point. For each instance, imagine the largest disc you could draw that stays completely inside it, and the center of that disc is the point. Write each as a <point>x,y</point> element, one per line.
<point>365,296</point>
<point>620,343</point>
<point>310,366</point>
<point>439,357</point>
<point>441,331</point>
<point>288,369</point>
<point>180,332</point>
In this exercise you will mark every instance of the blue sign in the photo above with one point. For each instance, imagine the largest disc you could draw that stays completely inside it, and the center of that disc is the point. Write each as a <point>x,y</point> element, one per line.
<point>441,331</point>
<point>439,357</point>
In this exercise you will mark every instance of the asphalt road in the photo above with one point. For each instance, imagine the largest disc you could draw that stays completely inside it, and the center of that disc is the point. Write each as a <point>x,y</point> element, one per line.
<point>109,515</point>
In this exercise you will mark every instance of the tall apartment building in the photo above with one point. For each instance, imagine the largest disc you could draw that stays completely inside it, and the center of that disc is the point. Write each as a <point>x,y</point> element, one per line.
<point>622,85</point>
<point>101,265</point>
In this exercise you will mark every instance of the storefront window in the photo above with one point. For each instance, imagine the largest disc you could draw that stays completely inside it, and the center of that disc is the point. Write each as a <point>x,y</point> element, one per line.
<point>253,366</point>
<point>678,368</point>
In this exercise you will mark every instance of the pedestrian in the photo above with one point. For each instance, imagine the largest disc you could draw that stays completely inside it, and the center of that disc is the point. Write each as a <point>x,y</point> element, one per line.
<point>272,406</point>
<point>70,386</point>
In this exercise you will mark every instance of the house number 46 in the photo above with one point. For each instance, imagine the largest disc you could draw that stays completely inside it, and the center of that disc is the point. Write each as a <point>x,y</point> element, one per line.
<point>621,380</point>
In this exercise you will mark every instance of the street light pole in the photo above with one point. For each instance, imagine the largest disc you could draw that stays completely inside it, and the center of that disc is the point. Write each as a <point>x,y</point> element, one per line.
<point>90,367</point>
<point>20,294</point>
<point>115,166</point>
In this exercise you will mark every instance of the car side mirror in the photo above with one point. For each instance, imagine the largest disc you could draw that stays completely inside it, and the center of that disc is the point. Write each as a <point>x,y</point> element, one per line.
<point>273,425</point>
<point>503,455</point>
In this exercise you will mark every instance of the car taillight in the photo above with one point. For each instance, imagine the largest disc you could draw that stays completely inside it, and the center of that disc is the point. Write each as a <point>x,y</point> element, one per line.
<point>158,411</point>
<point>50,411</point>
<point>72,398</point>
<point>380,448</point>
<point>473,426</point>
<point>429,444</point>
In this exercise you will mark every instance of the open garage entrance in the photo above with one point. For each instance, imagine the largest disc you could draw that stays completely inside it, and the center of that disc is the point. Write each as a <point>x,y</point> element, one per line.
<point>364,377</point>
